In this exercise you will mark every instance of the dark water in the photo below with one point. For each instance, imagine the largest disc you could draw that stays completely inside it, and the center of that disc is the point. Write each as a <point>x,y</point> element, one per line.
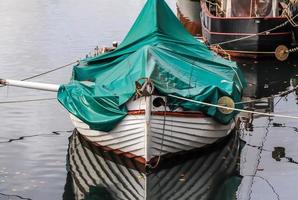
<point>36,36</point>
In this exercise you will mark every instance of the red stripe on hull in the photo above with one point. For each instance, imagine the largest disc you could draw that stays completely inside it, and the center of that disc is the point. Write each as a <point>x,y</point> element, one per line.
<point>167,113</point>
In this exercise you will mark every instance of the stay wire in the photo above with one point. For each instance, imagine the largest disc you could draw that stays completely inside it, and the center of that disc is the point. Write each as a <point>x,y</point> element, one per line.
<point>234,109</point>
<point>49,71</point>
<point>35,76</point>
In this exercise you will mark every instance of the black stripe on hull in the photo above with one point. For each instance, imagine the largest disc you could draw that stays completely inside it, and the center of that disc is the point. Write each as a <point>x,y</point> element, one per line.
<point>260,43</point>
<point>244,26</point>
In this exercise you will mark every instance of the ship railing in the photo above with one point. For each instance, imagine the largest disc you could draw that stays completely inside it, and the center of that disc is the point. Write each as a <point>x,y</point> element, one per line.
<point>218,9</point>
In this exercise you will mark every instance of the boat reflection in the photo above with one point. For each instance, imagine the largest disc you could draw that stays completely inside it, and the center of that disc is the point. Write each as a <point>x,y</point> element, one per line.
<point>265,78</point>
<point>98,174</point>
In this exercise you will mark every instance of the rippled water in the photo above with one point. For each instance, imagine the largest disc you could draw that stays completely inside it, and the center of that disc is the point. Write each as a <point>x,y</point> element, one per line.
<point>39,35</point>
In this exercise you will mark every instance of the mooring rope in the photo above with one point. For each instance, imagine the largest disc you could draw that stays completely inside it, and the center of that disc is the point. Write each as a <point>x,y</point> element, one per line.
<point>281,95</point>
<point>295,49</point>
<point>234,109</point>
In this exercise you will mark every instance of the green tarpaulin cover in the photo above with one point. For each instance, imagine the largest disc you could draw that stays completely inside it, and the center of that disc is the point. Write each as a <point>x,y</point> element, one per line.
<point>158,47</point>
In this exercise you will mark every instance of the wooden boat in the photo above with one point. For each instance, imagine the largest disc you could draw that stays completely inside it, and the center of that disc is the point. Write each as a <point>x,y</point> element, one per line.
<point>96,173</point>
<point>251,28</point>
<point>126,100</point>
<point>154,123</point>
<point>151,130</point>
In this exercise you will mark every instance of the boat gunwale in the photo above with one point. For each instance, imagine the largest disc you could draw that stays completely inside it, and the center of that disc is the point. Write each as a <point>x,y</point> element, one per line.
<point>208,14</point>
<point>196,114</point>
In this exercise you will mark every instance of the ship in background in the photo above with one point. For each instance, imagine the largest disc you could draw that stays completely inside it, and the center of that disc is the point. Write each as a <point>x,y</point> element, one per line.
<point>247,28</point>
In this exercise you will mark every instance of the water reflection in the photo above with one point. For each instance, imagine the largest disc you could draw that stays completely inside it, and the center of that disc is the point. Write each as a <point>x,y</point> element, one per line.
<point>268,172</point>
<point>294,81</point>
<point>266,79</point>
<point>98,174</point>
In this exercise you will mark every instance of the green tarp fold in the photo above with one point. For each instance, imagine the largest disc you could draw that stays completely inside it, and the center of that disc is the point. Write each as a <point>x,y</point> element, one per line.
<point>157,47</point>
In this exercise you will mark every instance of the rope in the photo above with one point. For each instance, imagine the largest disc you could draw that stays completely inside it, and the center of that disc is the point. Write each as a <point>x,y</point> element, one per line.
<point>293,50</point>
<point>261,33</point>
<point>46,72</point>
<point>252,101</point>
<point>162,139</point>
<point>288,15</point>
<point>282,94</point>
<point>220,50</point>
<point>234,109</point>
<point>50,71</point>
<point>217,7</point>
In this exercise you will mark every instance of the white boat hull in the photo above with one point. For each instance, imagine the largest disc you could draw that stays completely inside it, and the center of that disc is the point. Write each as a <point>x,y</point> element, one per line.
<point>160,133</point>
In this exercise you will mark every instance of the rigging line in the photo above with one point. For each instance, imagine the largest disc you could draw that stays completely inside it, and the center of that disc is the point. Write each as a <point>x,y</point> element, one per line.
<point>27,100</point>
<point>234,109</point>
<point>162,139</point>
<point>49,71</point>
